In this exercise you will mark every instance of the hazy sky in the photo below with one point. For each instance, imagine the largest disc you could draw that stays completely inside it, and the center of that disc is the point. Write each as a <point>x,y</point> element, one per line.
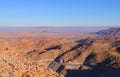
<point>59,12</point>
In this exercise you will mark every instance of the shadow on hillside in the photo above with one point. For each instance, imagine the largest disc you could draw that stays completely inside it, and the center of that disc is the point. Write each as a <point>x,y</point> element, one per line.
<point>76,47</point>
<point>50,48</point>
<point>85,41</point>
<point>83,73</point>
<point>53,47</point>
<point>99,70</point>
<point>108,70</point>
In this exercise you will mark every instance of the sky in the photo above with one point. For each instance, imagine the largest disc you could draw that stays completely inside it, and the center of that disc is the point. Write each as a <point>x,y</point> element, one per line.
<point>59,13</point>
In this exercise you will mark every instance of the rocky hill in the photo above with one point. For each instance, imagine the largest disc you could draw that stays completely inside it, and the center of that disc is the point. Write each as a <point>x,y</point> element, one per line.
<point>87,56</point>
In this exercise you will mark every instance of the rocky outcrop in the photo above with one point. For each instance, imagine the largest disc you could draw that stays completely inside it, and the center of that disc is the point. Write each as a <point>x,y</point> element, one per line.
<point>16,65</point>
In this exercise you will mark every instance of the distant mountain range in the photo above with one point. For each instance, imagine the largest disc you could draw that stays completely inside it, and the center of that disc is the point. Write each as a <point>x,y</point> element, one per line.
<point>111,33</point>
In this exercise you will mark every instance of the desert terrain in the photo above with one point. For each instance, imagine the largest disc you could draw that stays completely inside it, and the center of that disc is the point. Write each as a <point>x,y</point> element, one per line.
<point>59,52</point>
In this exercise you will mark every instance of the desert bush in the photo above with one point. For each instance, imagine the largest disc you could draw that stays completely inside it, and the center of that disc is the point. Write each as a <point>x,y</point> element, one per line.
<point>7,49</point>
